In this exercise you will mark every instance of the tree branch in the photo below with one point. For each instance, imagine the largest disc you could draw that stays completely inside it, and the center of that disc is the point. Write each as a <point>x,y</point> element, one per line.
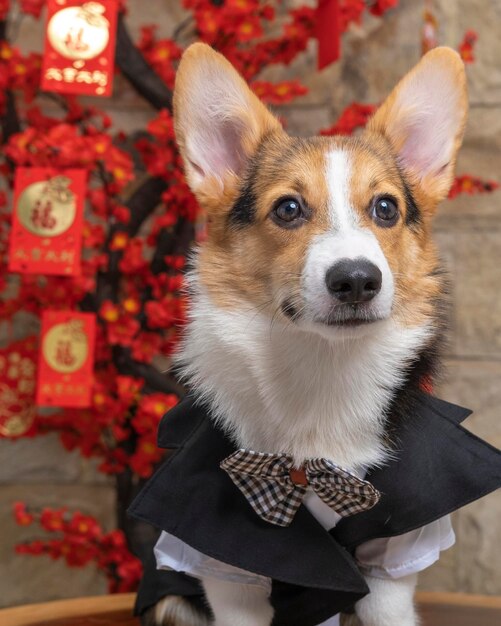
<point>141,204</point>
<point>9,120</point>
<point>138,72</point>
<point>153,378</point>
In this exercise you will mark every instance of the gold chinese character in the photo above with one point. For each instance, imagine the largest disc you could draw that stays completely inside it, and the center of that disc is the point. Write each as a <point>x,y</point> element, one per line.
<point>69,74</point>
<point>84,76</point>
<point>67,256</point>
<point>51,256</point>
<point>64,355</point>
<point>100,78</point>
<point>53,73</point>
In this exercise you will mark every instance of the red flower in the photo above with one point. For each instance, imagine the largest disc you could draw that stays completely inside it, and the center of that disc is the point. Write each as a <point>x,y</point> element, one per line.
<point>162,127</point>
<point>176,262</point>
<point>131,305</point>
<point>151,409</point>
<point>381,6</point>
<point>163,314</point>
<point>160,54</point>
<point>119,164</point>
<point>128,388</point>
<point>146,456</point>
<point>121,213</point>
<point>22,517</point>
<point>129,573</point>
<point>471,185</point>
<point>467,46</point>
<point>279,93</point>
<point>146,346</point>
<point>93,235</point>
<point>52,520</point>
<point>351,11</point>
<point>123,331</point>
<point>249,29</point>
<point>119,240</point>
<point>84,525</point>
<point>109,311</point>
<point>353,116</point>
<point>33,547</point>
<point>100,201</point>
<point>133,261</point>
<point>154,156</point>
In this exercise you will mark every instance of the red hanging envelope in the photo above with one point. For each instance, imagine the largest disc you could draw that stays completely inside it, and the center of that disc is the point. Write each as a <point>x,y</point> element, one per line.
<point>47,221</point>
<point>79,48</point>
<point>66,359</point>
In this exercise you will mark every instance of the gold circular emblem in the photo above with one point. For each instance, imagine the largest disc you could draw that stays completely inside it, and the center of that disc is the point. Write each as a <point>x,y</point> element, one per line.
<point>79,32</point>
<point>65,347</point>
<point>47,208</point>
<point>16,414</point>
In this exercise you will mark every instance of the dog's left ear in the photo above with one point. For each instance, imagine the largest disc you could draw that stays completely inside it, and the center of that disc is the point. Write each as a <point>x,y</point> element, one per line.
<point>219,123</point>
<point>424,119</point>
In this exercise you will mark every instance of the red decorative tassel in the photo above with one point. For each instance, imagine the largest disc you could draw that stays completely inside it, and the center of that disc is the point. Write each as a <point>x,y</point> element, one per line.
<point>328,32</point>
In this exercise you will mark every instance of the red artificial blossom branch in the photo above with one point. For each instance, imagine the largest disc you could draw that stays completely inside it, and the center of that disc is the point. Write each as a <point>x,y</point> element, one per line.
<point>466,47</point>
<point>354,116</point>
<point>80,541</point>
<point>471,185</point>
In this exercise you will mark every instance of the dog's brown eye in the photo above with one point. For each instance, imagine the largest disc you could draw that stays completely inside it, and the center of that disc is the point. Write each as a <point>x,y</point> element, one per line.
<point>287,211</point>
<point>385,211</point>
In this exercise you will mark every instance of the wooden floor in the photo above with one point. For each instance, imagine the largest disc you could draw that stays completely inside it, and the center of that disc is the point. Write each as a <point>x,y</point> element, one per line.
<point>437,609</point>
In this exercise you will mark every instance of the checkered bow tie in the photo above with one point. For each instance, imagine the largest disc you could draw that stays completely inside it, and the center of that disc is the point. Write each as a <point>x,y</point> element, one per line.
<point>275,489</point>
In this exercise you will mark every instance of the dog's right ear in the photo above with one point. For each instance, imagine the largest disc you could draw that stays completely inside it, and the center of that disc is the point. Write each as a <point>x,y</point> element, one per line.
<point>219,122</point>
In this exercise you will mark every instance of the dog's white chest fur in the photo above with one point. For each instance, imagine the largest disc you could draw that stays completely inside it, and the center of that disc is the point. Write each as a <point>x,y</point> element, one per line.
<point>276,388</point>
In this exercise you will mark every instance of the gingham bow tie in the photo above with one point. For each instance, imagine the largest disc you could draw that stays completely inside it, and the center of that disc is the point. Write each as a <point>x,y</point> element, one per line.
<point>275,489</point>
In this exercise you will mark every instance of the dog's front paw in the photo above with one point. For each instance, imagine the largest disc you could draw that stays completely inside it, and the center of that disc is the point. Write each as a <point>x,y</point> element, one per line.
<point>174,611</point>
<point>350,620</point>
<point>390,603</point>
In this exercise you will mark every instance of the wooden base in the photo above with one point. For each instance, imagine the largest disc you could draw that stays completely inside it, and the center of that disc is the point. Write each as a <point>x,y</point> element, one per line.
<point>437,609</point>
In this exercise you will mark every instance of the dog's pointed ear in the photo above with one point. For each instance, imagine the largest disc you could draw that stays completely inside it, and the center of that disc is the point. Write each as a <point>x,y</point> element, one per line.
<point>219,122</point>
<point>424,119</point>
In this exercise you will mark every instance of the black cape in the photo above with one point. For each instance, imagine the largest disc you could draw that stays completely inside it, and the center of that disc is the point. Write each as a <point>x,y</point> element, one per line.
<point>438,467</point>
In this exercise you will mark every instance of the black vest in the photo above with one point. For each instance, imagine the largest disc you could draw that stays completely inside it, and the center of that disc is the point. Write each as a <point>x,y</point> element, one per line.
<point>438,467</point>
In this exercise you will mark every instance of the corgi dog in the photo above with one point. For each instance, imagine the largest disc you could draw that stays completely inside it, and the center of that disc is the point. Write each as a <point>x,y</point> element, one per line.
<point>317,300</point>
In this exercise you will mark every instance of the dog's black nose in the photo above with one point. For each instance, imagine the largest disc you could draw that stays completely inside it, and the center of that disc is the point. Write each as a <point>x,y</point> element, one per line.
<point>354,280</point>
